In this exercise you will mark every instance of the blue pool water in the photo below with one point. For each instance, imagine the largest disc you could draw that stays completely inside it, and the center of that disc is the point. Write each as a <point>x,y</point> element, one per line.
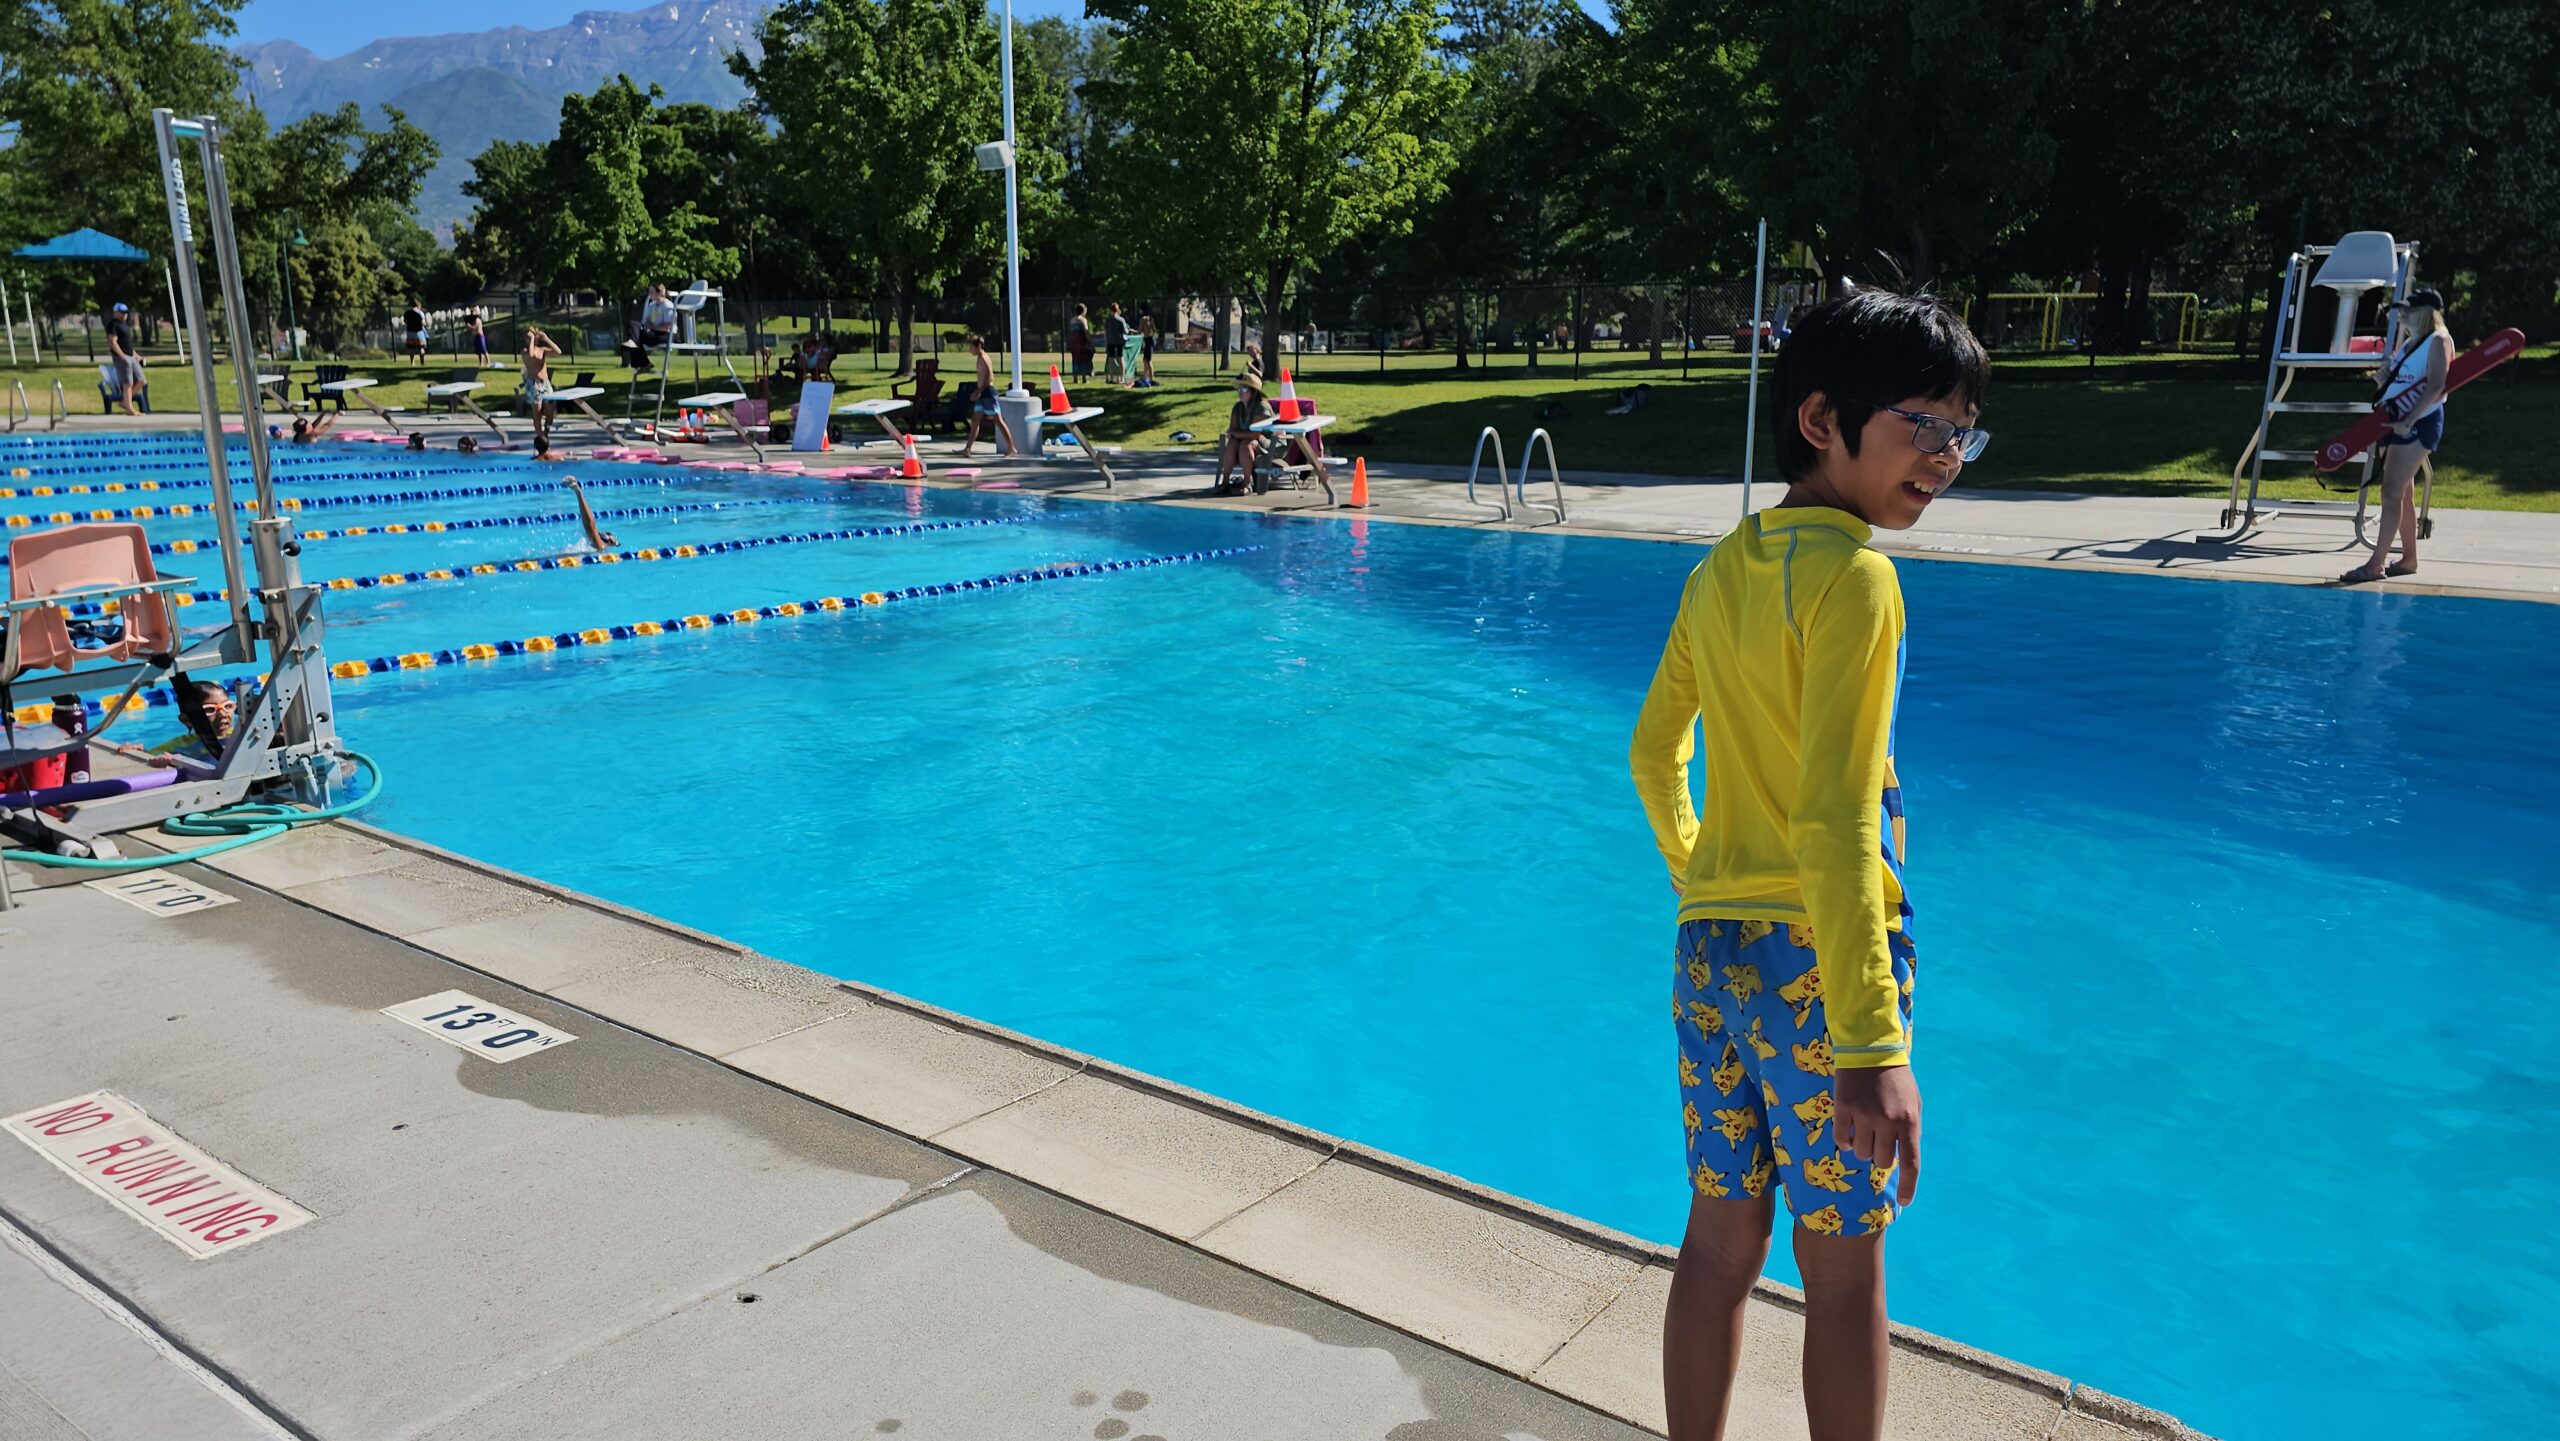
<point>2232,898</point>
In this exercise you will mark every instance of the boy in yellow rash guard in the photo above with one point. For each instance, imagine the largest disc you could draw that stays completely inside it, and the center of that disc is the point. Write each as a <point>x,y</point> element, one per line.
<point>1791,986</point>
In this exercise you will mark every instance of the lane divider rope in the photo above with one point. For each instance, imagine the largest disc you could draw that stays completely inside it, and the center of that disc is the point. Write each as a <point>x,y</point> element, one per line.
<point>323,502</point>
<point>191,544</point>
<point>692,551</point>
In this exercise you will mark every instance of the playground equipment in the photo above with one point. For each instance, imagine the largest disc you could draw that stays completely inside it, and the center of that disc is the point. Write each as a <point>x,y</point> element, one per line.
<point>2360,264</point>
<point>282,744</point>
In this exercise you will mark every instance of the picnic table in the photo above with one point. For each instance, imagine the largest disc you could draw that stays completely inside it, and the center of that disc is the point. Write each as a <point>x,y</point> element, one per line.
<point>1072,422</point>
<point>1299,429</point>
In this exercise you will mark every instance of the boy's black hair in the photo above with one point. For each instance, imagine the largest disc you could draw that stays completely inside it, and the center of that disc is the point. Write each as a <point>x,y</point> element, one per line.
<point>1864,350</point>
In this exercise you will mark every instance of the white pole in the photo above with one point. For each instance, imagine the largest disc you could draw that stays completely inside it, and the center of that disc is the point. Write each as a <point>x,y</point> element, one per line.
<point>169,278</point>
<point>35,337</point>
<point>1751,421</point>
<point>1012,213</point>
<point>7,324</point>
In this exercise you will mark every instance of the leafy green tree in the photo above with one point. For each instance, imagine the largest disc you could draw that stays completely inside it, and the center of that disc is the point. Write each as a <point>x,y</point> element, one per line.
<point>514,228</point>
<point>1243,141</point>
<point>880,105</point>
<point>339,282</point>
<point>609,234</point>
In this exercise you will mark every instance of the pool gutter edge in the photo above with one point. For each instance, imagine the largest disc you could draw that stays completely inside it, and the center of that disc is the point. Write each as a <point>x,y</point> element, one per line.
<point>2070,1398</point>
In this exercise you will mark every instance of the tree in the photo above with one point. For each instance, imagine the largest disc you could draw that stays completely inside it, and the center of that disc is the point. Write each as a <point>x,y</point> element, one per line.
<point>1246,140</point>
<point>338,282</point>
<point>880,104</point>
<point>610,236</point>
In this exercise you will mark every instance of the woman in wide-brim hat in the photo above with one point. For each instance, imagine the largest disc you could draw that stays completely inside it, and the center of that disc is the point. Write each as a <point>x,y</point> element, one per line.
<point>1236,447</point>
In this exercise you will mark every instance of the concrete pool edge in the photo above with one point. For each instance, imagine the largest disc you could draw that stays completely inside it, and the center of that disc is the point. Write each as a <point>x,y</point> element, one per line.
<point>1558,1301</point>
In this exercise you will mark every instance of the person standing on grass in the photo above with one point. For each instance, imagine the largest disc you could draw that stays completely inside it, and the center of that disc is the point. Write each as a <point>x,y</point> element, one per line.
<point>2413,388</point>
<point>480,340</point>
<point>1146,347</point>
<point>1080,344</point>
<point>414,322</point>
<point>1792,969</point>
<point>1115,337</point>
<point>982,402</point>
<point>124,357</point>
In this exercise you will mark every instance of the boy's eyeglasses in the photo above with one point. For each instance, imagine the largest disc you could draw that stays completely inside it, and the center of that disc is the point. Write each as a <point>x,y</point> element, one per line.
<point>1932,434</point>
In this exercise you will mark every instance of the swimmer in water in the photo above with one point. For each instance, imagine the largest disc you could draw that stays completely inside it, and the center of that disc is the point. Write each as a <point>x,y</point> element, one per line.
<point>597,537</point>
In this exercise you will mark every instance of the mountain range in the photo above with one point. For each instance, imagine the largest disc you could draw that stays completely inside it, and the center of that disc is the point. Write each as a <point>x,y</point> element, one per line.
<point>506,84</point>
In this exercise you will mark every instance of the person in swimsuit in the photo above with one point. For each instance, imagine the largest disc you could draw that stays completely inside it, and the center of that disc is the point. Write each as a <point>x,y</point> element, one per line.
<point>536,387</point>
<point>598,538</point>
<point>2414,386</point>
<point>982,403</point>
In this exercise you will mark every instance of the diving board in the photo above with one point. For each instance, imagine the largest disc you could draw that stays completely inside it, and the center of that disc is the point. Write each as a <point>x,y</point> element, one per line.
<point>459,392</point>
<point>357,386</point>
<point>720,401</point>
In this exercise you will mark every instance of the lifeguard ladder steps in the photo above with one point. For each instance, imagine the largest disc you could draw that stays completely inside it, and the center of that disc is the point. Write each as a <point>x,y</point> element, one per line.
<point>2361,262</point>
<point>1506,486</point>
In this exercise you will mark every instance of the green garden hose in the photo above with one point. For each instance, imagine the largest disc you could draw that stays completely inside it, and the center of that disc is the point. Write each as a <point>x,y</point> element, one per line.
<point>238,825</point>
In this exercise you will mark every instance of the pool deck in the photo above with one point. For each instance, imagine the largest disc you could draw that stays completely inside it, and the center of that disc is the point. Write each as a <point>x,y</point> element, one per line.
<point>2505,555</point>
<point>749,1200</point>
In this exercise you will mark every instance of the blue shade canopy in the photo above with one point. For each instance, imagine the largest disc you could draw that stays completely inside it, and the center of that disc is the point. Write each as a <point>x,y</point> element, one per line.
<point>81,244</point>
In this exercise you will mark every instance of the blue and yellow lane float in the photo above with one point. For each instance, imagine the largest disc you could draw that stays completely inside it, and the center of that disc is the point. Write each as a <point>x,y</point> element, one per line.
<point>191,545</point>
<point>529,564</point>
<point>749,615</point>
<point>321,502</point>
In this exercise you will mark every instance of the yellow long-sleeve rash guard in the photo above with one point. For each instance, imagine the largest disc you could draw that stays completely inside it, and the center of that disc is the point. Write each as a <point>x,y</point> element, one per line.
<point>1788,647</point>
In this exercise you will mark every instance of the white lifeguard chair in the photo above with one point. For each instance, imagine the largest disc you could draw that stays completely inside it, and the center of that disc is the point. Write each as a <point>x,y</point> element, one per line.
<point>2361,263</point>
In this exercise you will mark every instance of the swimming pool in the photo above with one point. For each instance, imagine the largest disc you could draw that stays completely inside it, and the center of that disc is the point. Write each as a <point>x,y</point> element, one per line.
<point>2231,897</point>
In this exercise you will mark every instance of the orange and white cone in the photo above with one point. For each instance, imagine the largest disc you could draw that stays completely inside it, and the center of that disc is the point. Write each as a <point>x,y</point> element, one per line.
<point>911,466</point>
<point>1057,393</point>
<point>1288,395</point>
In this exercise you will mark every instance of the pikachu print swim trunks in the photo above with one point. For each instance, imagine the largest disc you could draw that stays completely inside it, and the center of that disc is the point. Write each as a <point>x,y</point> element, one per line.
<point>1755,1074</point>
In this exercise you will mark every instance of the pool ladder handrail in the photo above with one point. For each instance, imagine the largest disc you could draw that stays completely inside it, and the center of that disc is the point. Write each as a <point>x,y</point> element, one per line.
<point>21,411</point>
<point>1501,471</point>
<point>61,410</point>
<point>1529,452</point>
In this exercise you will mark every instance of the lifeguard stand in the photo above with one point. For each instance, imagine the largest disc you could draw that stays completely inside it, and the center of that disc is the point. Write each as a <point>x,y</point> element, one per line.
<point>2359,264</point>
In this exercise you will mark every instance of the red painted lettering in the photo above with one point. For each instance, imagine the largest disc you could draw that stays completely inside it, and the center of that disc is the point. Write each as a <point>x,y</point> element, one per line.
<point>113,1149</point>
<point>232,1212</point>
<point>143,1176</point>
<point>177,1189</point>
<point>200,1205</point>
<point>78,1116</point>
<point>258,1222</point>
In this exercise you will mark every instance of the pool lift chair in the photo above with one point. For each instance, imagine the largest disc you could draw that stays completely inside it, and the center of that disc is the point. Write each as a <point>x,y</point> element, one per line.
<point>2361,263</point>
<point>282,745</point>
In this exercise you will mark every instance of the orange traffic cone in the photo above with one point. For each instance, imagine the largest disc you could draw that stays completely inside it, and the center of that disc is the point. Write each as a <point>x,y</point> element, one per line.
<point>1057,393</point>
<point>911,466</point>
<point>1288,395</point>
<point>1360,483</point>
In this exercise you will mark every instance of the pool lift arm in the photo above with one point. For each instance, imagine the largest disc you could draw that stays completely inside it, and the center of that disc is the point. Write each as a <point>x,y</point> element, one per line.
<point>283,737</point>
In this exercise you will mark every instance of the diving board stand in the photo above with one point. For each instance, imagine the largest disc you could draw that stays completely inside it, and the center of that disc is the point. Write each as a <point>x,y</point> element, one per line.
<point>357,387</point>
<point>719,402</point>
<point>1298,430</point>
<point>579,395</point>
<point>459,392</point>
<point>1072,422</point>
<point>880,411</point>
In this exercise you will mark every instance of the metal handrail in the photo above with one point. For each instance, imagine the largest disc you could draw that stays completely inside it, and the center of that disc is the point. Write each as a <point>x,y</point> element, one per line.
<point>1528,453</point>
<point>61,410</point>
<point>1501,470</point>
<point>21,412</point>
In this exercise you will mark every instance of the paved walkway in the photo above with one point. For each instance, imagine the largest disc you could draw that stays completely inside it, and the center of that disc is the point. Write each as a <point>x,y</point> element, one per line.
<point>748,1201</point>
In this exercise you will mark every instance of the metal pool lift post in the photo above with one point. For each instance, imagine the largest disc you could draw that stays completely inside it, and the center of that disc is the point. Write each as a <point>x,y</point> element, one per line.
<point>284,735</point>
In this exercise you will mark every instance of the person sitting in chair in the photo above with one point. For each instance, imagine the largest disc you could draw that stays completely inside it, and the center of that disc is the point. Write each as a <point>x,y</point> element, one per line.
<point>1236,449</point>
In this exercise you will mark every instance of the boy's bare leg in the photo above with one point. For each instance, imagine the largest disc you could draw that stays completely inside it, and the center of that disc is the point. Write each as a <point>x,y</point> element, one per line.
<point>1845,1339</point>
<point>1720,1258</point>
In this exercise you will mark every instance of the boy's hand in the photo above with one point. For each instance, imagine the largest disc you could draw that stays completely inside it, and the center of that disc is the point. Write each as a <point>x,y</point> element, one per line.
<point>1876,1114</point>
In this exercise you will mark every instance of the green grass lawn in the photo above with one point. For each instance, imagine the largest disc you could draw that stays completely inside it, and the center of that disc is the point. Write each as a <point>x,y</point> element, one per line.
<point>2146,427</point>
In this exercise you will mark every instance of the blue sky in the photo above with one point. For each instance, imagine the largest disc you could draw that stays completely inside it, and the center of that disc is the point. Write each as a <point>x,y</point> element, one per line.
<point>333,27</point>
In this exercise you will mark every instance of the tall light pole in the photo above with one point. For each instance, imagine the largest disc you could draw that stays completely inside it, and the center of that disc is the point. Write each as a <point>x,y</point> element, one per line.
<point>1021,418</point>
